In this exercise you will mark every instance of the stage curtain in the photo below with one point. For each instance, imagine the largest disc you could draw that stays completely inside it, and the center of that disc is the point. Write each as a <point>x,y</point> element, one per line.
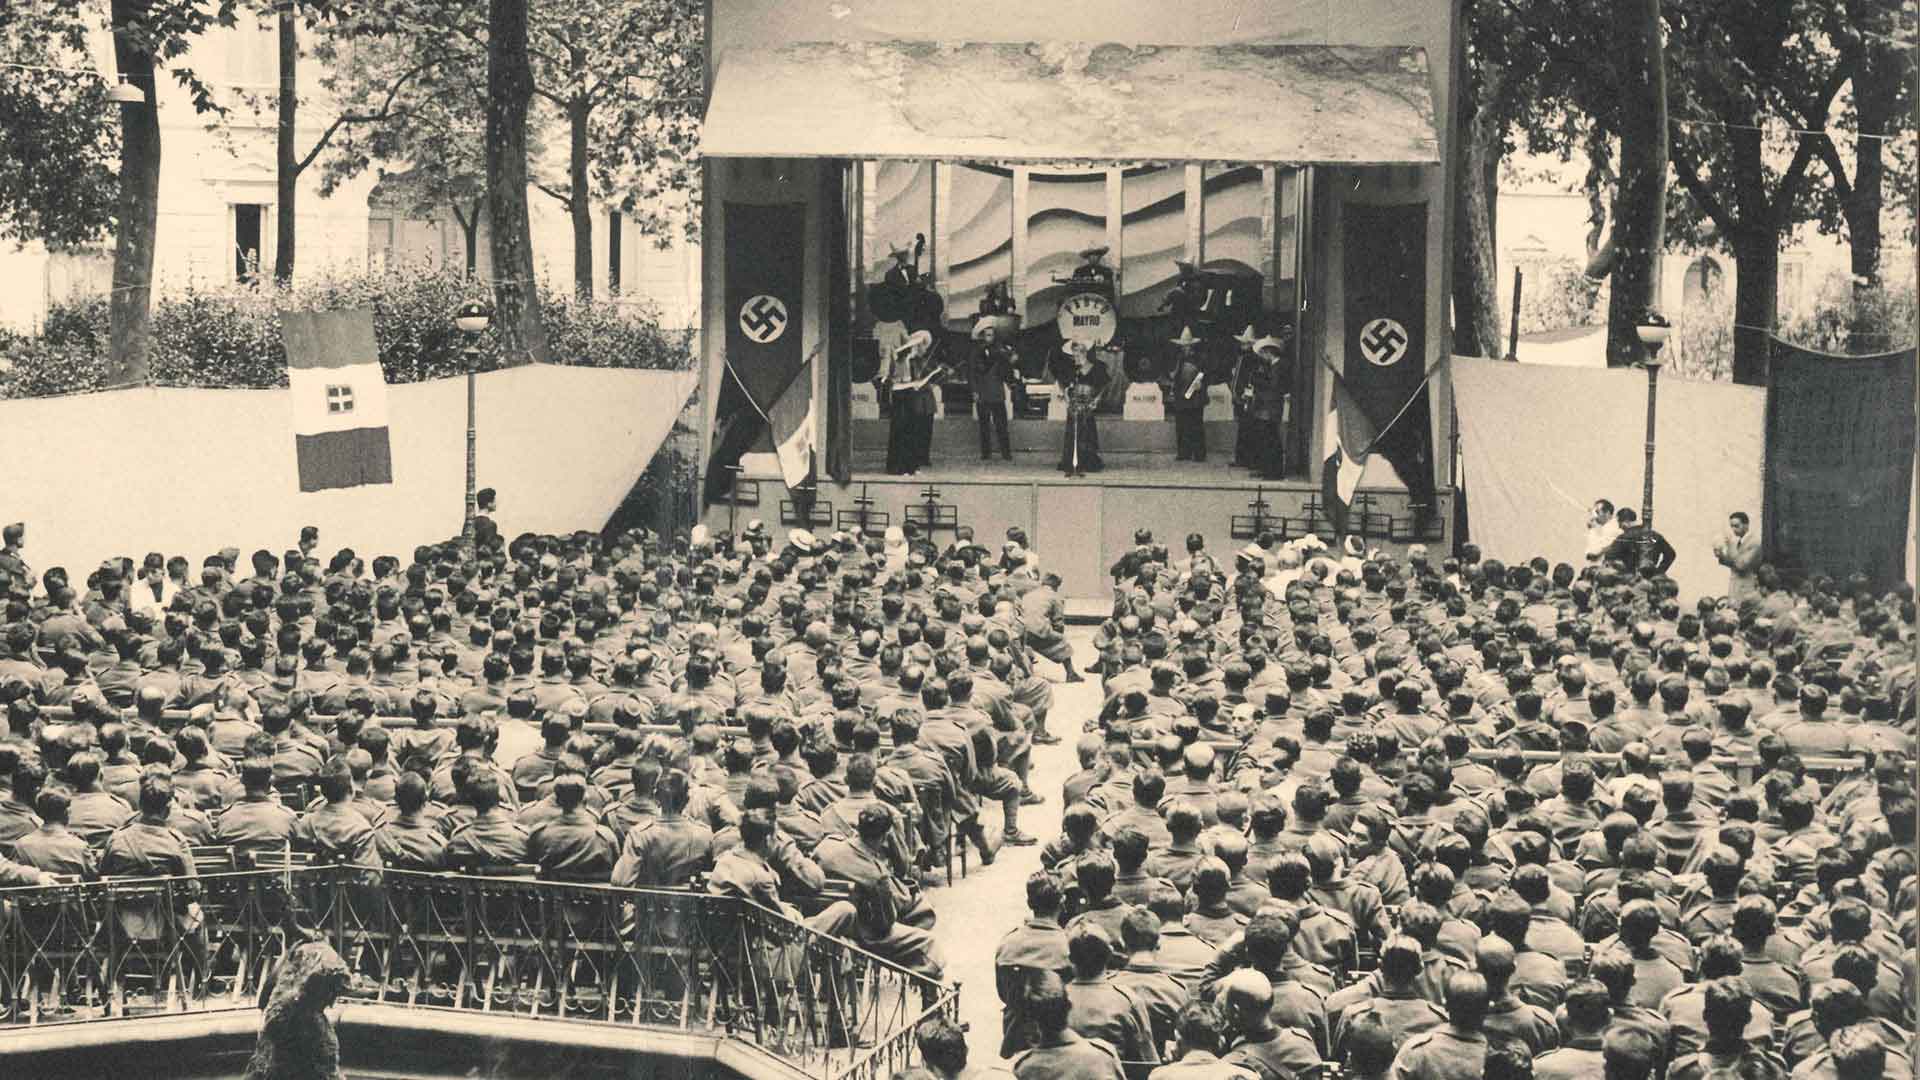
<point>1541,443</point>
<point>1839,463</point>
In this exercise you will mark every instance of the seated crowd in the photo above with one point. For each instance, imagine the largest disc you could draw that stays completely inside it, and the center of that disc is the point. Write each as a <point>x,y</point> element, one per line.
<point>813,725</point>
<point>1445,820</point>
<point>1412,819</point>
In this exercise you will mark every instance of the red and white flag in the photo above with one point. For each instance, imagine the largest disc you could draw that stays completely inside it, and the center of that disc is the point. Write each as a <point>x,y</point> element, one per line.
<point>339,399</point>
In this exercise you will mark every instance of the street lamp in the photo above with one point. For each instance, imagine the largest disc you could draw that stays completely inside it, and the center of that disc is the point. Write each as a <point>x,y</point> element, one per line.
<point>125,93</point>
<point>1652,329</point>
<point>472,319</point>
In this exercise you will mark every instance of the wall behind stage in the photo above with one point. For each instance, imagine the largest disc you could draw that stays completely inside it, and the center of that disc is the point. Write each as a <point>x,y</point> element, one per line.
<point>1542,443</point>
<point>189,472</point>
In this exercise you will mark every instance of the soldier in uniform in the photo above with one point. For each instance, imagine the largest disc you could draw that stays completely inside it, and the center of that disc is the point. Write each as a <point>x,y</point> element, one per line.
<point>147,847</point>
<point>1186,396</point>
<point>493,837</point>
<point>1202,1036</point>
<point>1246,997</point>
<point>1100,1009</point>
<point>54,848</point>
<point>893,919</point>
<point>1035,946</point>
<point>410,841</point>
<point>16,574</point>
<point>1043,617</point>
<point>334,831</point>
<point>1457,1051</point>
<point>1391,996</point>
<point>256,821</point>
<point>1062,1053</point>
<point>667,850</point>
<point>572,846</point>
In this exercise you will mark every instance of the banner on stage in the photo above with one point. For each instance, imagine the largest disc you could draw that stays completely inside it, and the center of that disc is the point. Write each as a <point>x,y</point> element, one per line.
<point>765,304</point>
<point>1384,256</point>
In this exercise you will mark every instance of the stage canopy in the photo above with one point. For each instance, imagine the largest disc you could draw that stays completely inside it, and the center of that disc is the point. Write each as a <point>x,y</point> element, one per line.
<point>1073,101</point>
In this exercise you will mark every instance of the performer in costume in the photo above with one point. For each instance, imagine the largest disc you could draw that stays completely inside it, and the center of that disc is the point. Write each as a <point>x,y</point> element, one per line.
<point>910,439</point>
<point>1186,396</point>
<point>1082,385</point>
<point>1272,403</point>
<point>1247,369</point>
<point>991,369</point>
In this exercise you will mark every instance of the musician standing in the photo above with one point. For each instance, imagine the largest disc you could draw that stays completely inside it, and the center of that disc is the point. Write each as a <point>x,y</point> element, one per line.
<point>1272,404</point>
<point>1247,371</point>
<point>1083,385</point>
<point>988,375</point>
<point>1186,396</point>
<point>910,438</point>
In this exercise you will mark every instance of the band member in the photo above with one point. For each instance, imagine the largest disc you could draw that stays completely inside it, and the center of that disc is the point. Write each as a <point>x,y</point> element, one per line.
<point>1247,370</point>
<point>992,368</point>
<point>1186,397</point>
<point>910,439</point>
<point>904,271</point>
<point>1082,386</point>
<point>1272,413</point>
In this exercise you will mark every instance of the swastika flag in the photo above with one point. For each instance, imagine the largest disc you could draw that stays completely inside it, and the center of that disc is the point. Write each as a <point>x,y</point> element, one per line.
<point>765,327</point>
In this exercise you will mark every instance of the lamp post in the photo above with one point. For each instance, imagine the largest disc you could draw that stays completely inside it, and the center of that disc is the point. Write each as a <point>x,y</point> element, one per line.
<point>1652,329</point>
<point>472,319</point>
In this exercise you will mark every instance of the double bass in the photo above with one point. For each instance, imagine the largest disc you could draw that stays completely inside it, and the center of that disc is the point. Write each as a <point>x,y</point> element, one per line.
<point>905,296</point>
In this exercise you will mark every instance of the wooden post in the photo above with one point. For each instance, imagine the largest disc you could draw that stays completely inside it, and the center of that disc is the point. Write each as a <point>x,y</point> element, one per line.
<point>1513,331</point>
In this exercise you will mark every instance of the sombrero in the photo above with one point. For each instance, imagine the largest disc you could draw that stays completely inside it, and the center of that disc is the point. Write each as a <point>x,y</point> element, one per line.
<point>1186,337</point>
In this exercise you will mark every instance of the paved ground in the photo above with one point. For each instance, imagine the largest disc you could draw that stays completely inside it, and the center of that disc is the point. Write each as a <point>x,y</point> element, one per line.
<point>976,911</point>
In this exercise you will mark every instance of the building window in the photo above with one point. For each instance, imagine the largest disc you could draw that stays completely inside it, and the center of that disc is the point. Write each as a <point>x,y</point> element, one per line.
<point>339,399</point>
<point>249,240</point>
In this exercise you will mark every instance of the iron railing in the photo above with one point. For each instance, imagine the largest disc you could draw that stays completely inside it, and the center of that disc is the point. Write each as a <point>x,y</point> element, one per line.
<point>590,954</point>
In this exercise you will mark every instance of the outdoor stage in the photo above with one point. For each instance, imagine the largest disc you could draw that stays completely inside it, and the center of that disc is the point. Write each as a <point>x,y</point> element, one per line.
<point>1080,526</point>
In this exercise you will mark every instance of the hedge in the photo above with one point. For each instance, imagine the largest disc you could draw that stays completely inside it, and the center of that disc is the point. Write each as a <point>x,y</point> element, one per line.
<point>229,337</point>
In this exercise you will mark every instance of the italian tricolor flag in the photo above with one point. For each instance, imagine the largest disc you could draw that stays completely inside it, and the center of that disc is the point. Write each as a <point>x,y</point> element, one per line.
<point>339,399</point>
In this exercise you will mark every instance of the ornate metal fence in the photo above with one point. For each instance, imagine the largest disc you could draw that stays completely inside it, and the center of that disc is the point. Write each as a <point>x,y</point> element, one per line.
<point>568,953</point>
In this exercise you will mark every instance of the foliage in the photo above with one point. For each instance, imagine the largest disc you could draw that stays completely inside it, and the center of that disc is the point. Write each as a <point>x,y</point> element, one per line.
<point>1702,343</point>
<point>1701,347</point>
<point>58,144</point>
<point>421,67</point>
<point>1557,295</point>
<point>229,337</point>
<point>1842,319</point>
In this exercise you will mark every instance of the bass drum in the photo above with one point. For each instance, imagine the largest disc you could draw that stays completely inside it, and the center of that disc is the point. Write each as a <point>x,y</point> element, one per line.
<point>1088,317</point>
<point>1143,366</point>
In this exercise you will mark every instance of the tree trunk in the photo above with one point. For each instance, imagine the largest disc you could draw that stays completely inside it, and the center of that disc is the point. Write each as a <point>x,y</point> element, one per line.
<point>1876,100</point>
<point>1476,285</point>
<point>579,206</point>
<point>1756,301</point>
<point>523,336</point>
<point>286,160</point>
<point>1639,206</point>
<point>129,312</point>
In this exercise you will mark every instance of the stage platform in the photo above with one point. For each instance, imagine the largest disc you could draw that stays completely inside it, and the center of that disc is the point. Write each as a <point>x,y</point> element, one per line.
<point>1082,525</point>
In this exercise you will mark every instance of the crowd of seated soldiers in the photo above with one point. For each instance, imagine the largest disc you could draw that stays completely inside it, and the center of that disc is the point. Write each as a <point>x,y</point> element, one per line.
<point>1449,820</point>
<point>813,725</point>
